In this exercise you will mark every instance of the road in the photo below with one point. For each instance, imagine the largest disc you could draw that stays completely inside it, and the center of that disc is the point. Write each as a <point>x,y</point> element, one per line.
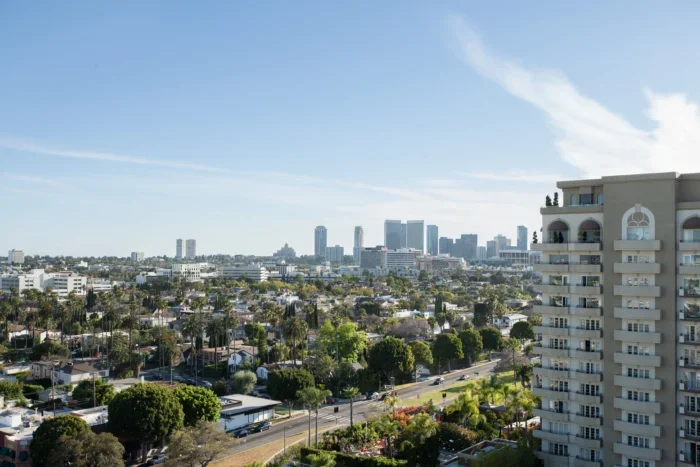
<point>326,416</point>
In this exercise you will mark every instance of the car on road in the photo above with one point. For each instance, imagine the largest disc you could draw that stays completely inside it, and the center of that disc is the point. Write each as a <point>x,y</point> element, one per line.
<point>388,387</point>
<point>262,426</point>
<point>205,384</point>
<point>330,401</point>
<point>178,379</point>
<point>438,381</point>
<point>372,396</point>
<point>463,378</point>
<point>155,460</point>
<point>383,396</point>
<point>423,378</point>
<point>240,433</point>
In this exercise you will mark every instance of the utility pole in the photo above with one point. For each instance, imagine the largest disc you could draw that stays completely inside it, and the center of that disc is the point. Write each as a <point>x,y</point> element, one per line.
<point>53,392</point>
<point>94,395</point>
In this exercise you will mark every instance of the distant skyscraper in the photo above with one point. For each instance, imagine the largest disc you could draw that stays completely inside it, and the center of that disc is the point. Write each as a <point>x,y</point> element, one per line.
<point>522,238</point>
<point>404,235</point>
<point>415,235</point>
<point>335,254</point>
<point>491,249</point>
<point>480,252</point>
<point>190,248</point>
<point>137,256</point>
<point>15,257</point>
<point>470,243</point>
<point>445,246</point>
<point>432,240</point>
<point>320,240</point>
<point>358,244</point>
<point>178,248</point>
<point>392,234</point>
<point>502,243</point>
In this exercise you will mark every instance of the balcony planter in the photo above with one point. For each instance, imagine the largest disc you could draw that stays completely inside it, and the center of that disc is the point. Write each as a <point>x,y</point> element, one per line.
<point>681,457</point>
<point>681,385</point>
<point>680,291</point>
<point>682,433</point>
<point>681,409</point>
<point>681,362</point>
<point>681,338</point>
<point>681,315</point>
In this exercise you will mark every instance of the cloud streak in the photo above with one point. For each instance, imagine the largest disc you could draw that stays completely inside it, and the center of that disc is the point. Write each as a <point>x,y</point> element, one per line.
<point>591,138</point>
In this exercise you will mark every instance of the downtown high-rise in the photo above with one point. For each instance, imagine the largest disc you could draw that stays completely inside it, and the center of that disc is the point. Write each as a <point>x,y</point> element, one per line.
<point>320,241</point>
<point>178,249</point>
<point>190,248</point>
<point>522,238</point>
<point>392,234</point>
<point>620,373</point>
<point>415,235</point>
<point>358,243</point>
<point>432,240</point>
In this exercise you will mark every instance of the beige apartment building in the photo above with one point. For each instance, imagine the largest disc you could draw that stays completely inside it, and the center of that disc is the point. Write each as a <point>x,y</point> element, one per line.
<point>620,375</point>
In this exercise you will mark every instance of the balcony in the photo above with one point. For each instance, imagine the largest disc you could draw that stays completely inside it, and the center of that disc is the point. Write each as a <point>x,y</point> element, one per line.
<point>639,360</point>
<point>686,363</point>
<point>586,398</point>
<point>552,289</point>
<point>586,333</point>
<point>637,406</point>
<point>585,462</point>
<point>550,458</point>
<point>637,245</point>
<point>649,384</point>
<point>551,436</point>
<point>689,339</point>
<point>586,311</point>
<point>550,310</point>
<point>653,431</point>
<point>685,434</point>
<point>637,452</point>
<point>580,419</point>
<point>641,337</point>
<point>586,354</point>
<point>551,352</point>
<point>551,331</point>
<point>637,313</point>
<point>689,269</point>
<point>585,246</point>
<point>549,393</point>
<point>637,268</point>
<point>653,291</point>
<point>551,372</point>
<point>581,289</point>
<point>689,246</point>
<point>591,377</point>
<point>549,247</point>
<point>689,386</point>
<point>689,315</point>
<point>585,268</point>
<point>692,292</point>
<point>552,415</point>
<point>579,440</point>
<point>550,267</point>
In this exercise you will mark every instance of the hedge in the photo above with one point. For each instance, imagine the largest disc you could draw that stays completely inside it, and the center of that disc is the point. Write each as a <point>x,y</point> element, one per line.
<point>347,460</point>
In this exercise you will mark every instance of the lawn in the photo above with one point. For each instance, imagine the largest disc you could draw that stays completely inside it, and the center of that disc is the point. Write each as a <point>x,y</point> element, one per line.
<point>454,390</point>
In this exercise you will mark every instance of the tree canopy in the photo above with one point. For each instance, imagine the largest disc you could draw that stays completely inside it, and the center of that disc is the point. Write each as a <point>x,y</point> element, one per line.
<point>86,449</point>
<point>283,385</point>
<point>243,382</point>
<point>344,341</point>
<point>447,347</point>
<point>47,435</point>
<point>421,352</point>
<point>472,344</point>
<point>48,349</point>
<point>199,445</point>
<point>145,412</point>
<point>492,339</point>
<point>522,330</point>
<point>198,404</point>
<point>391,356</point>
<point>83,393</point>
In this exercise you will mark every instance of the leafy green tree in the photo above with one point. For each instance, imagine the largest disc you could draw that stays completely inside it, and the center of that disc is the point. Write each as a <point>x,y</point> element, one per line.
<point>10,390</point>
<point>283,385</point>
<point>49,349</point>
<point>472,344</point>
<point>243,382</point>
<point>199,445</point>
<point>320,365</point>
<point>421,352</point>
<point>198,404</point>
<point>419,442</point>
<point>219,388</point>
<point>481,315</point>
<point>522,330</point>
<point>103,393</point>
<point>390,357</point>
<point>508,457</point>
<point>467,409</point>
<point>492,339</point>
<point>447,347</point>
<point>46,437</point>
<point>342,341</point>
<point>87,449</point>
<point>145,412</point>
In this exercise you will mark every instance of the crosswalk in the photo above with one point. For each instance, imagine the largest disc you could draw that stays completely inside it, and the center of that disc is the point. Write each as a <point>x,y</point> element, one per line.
<point>333,417</point>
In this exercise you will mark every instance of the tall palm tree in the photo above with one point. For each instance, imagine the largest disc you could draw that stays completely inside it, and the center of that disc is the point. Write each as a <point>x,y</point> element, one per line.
<point>194,328</point>
<point>351,393</point>
<point>215,328</point>
<point>387,428</point>
<point>314,398</point>
<point>161,306</point>
<point>294,329</point>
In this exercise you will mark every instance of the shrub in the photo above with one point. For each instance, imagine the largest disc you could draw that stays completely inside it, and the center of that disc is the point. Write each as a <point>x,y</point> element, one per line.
<point>455,437</point>
<point>347,460</point>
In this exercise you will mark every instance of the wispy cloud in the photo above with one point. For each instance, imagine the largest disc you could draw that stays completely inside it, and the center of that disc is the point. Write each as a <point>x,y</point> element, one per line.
<point>592,138</point>
<point>29,178</point>
<point>515,176</point>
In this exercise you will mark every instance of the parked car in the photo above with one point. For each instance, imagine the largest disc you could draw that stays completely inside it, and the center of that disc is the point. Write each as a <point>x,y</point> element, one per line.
<point>178,378</point>
<point>438,381</point>
<point>330,401</point>
<point>463,378</point>
<point>155,460</point>
<point>260,427</point>
<point>373,396</point>
<point>205,384</point>
<point>240,433</point>
<point>388,387</point>
<point>383,396</point>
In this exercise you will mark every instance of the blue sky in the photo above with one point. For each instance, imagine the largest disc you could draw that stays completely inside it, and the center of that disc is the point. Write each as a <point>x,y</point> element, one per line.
<point>125,125</point>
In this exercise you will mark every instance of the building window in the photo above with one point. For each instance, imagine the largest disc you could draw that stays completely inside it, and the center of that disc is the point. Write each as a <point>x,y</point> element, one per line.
<point>638,227</point>
<point>572,201</point>
<point>600,199</point>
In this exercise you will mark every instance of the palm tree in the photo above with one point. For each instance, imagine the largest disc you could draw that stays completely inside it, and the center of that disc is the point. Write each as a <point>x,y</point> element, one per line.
<point>194,328</point>
<point>314,399</point>
<point>392,401</point>
<point>468,409</point>
<point>387,428</point>
<point>215,328</point>
<point>294,329</point>
<point>351,393</point>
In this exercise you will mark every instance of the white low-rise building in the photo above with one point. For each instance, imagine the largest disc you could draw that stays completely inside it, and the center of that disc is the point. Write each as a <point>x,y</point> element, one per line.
<point>239,411</point>
<point>507,321</point>
<point>254,271</point>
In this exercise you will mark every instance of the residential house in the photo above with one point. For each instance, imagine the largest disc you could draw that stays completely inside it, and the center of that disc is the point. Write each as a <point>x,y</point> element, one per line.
<point>74,372</point>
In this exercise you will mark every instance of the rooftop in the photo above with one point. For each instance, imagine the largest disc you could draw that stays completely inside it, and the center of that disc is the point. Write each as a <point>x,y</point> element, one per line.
<point>235,404</point>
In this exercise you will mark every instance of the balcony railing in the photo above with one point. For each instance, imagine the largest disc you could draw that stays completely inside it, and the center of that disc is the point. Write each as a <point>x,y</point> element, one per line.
<point>688,313</point>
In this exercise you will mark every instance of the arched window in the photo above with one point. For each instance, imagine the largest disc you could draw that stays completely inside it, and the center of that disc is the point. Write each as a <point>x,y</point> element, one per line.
<point>558,232</point>
<point>691,229</point>
<point>600,199</point>
<point>638,226</point>
<point>572,201</point>
<point>589,231</point>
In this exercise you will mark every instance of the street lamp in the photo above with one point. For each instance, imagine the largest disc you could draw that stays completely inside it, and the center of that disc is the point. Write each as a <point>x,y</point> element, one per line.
<point>285,441</point>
